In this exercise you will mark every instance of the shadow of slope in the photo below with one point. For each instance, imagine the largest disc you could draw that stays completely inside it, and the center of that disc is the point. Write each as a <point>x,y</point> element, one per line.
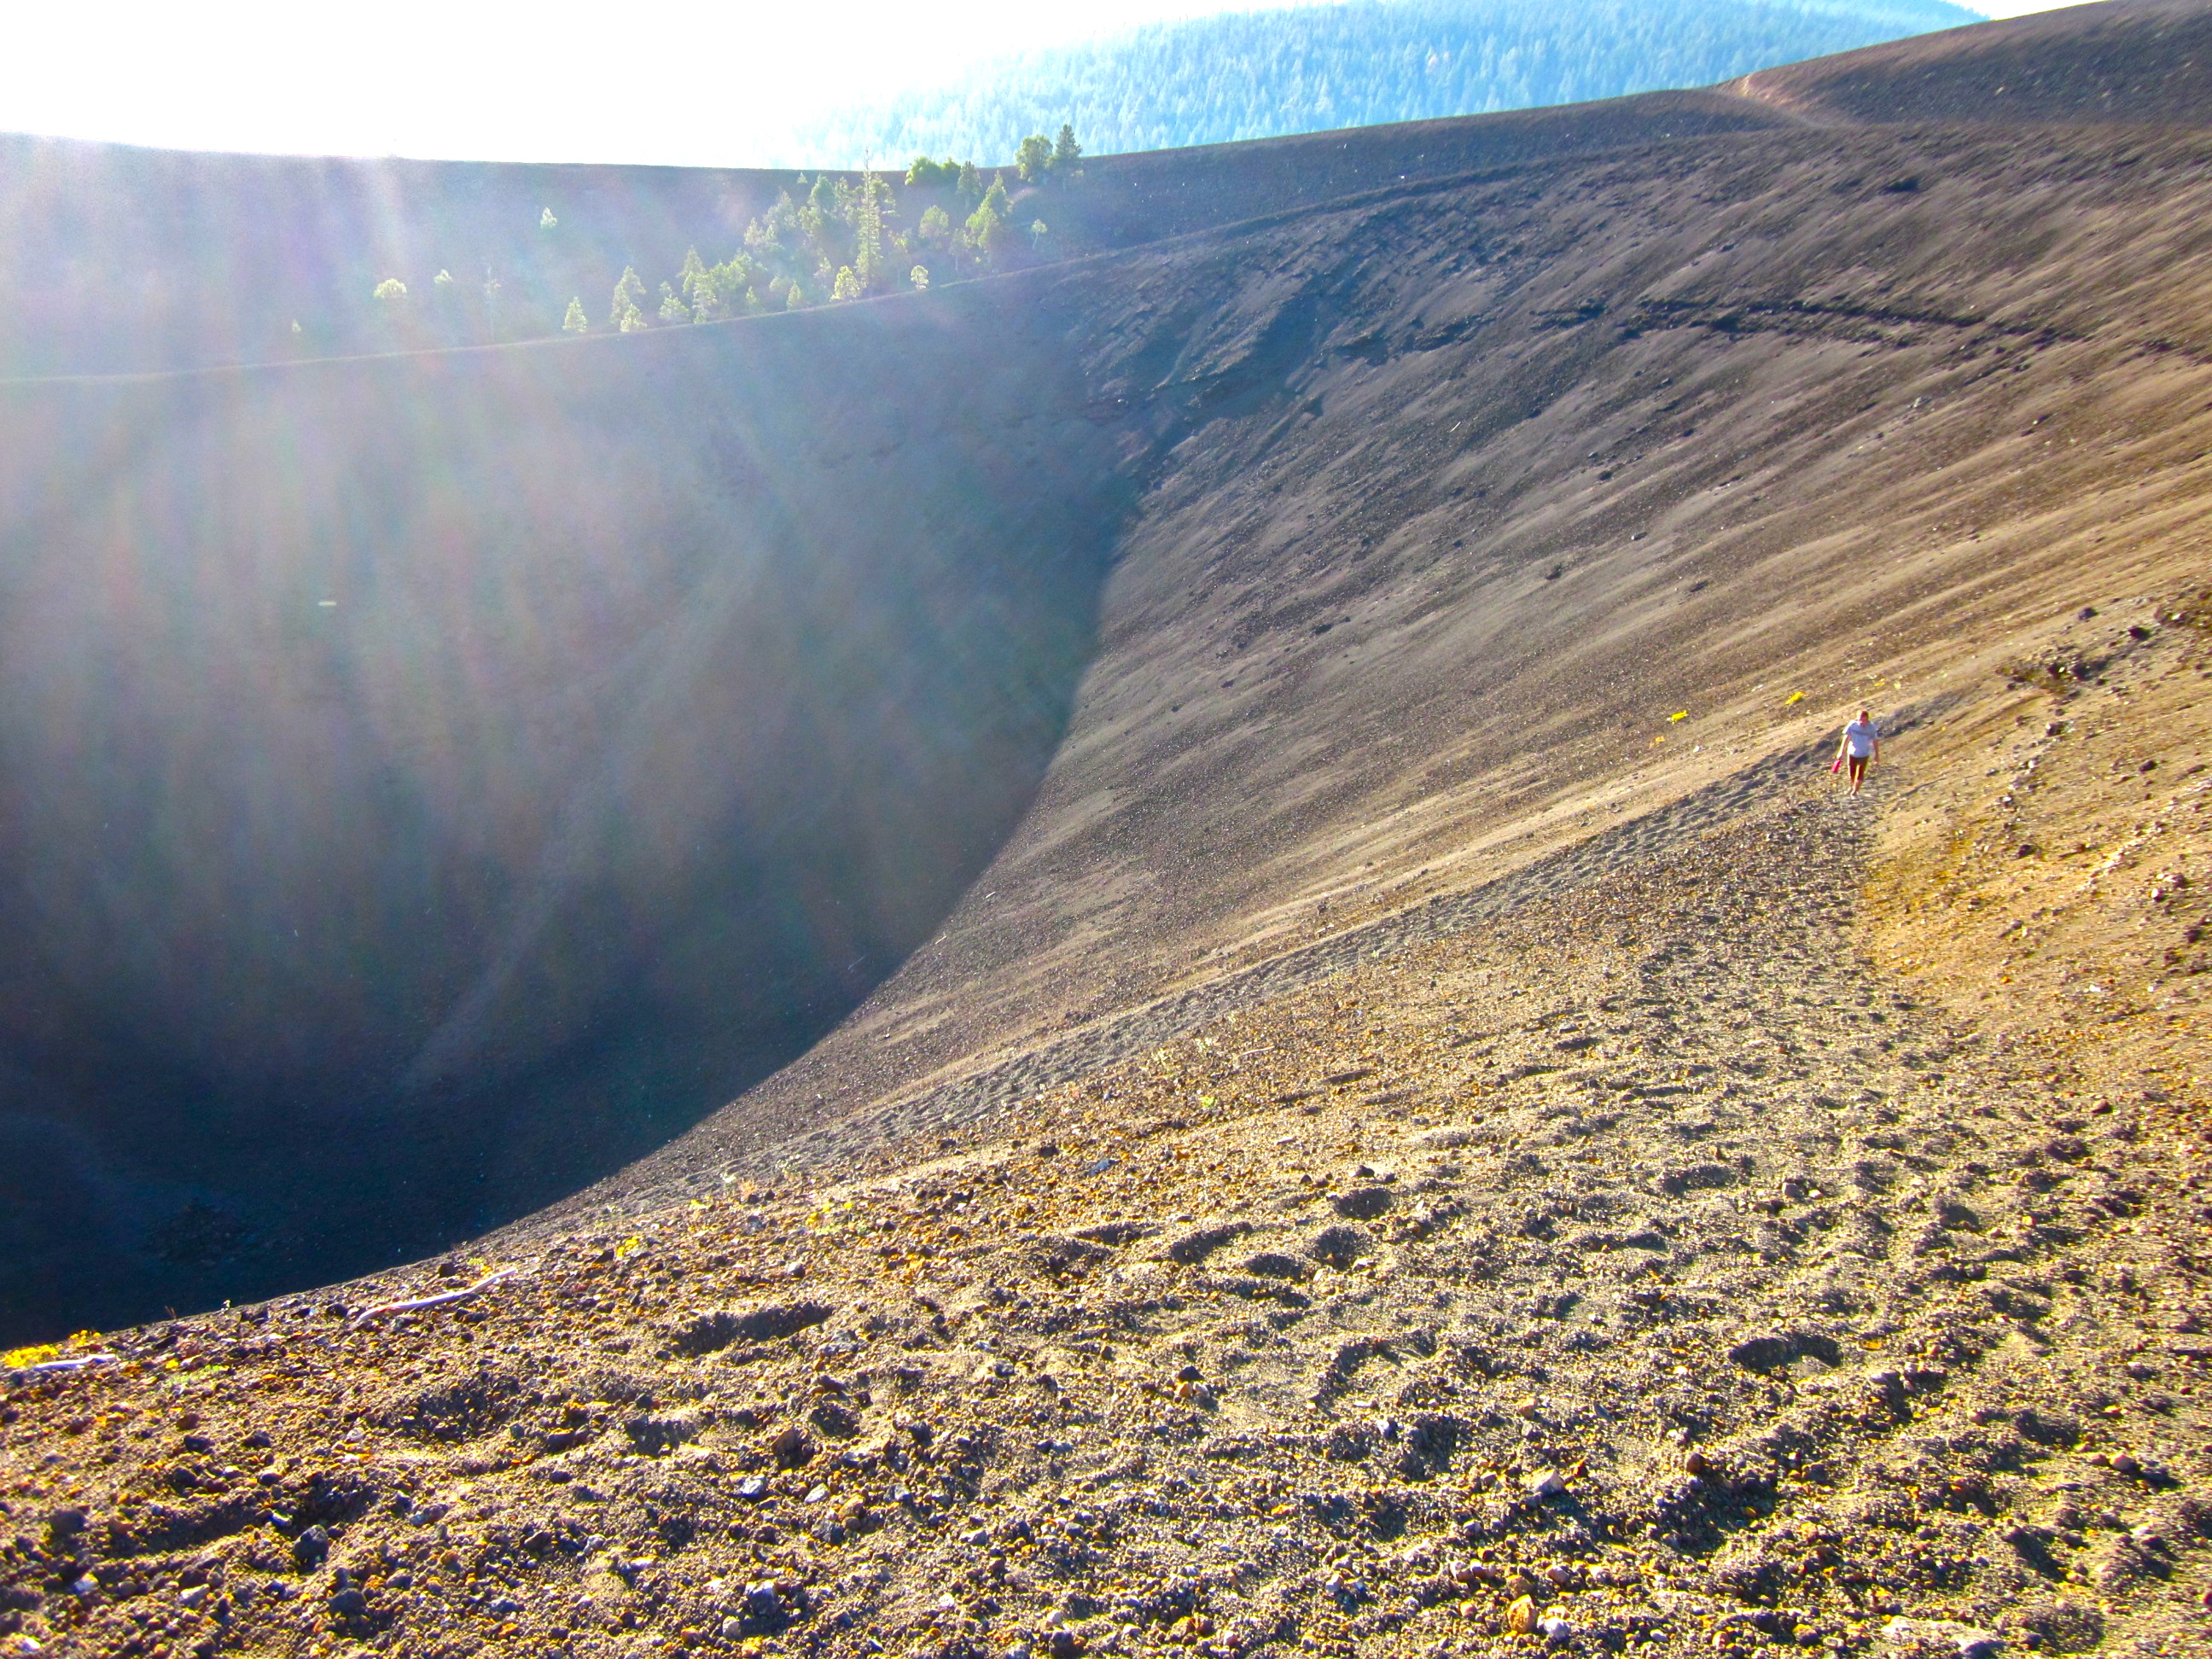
<point>427,782</point>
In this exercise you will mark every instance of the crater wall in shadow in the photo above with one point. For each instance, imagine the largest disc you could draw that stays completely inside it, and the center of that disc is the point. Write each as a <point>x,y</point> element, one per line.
<point>427,782</point>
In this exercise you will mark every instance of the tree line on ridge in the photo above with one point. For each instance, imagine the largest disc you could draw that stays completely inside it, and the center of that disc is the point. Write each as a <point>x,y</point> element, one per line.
<point>821,242</point>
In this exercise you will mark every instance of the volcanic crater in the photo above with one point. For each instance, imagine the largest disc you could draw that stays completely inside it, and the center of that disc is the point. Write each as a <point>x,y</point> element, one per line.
<point>1158,953</point>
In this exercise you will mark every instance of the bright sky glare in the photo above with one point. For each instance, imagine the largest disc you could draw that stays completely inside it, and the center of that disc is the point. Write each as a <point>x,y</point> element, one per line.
<point>509,80</point>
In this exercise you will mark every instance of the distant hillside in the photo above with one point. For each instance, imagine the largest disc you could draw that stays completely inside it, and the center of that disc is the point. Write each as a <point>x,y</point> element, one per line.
<point>1255,74</point>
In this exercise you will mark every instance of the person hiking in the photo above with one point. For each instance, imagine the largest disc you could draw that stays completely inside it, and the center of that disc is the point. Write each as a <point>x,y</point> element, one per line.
<point>1861,744</point>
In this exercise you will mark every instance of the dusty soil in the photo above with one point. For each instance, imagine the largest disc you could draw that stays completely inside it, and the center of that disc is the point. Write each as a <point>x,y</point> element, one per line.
<point>1647,1251</point>
<point>1349,550</point>
<point>1441,1132</point>
<point>1453,500</point>
<point>2042,883</point>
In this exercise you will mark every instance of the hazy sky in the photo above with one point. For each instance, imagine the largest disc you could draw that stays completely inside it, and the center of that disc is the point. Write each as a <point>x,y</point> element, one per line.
<point>506,80</point>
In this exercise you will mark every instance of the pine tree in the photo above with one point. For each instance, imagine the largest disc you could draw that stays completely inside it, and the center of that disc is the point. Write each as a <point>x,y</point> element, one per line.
<point>971,183</point>
<point>918,277</point>
<point>868,231</point>
<point>987,232</point>
<point>707,294</point>
<point>1035,156</point>
<point>628,302</point>
<point>1066,154</point>
<point>936,227</point>
<point>576,322</point>
<point>673,310</point>
<point>847,286</point>
<point>694,269</point>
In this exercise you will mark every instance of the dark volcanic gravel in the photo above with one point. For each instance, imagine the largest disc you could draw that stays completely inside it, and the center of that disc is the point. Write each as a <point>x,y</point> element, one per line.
<point>1639,1262</point>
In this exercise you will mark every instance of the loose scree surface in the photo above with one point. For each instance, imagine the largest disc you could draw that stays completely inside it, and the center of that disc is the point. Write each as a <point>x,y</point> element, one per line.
<point>1371,1102</point>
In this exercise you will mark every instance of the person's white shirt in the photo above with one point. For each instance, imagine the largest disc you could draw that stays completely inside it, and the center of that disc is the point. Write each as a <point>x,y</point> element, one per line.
<point>1860,735</point>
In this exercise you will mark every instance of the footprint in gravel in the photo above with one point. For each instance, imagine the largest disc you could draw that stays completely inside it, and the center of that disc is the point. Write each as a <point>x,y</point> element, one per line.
<point>1363,1203</point>
<point>1340,1246</point>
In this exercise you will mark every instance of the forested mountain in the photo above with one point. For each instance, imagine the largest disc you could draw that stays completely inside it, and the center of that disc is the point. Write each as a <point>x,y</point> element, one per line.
<point>1253,74</point>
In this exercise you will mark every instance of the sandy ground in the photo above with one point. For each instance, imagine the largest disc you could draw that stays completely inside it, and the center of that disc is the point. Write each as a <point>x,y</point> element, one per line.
<point>2043,884</point>
<point>1442,1132</point>
<point>964,670</point>
<point>1484,517</point>
<point>1643,1255</point>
